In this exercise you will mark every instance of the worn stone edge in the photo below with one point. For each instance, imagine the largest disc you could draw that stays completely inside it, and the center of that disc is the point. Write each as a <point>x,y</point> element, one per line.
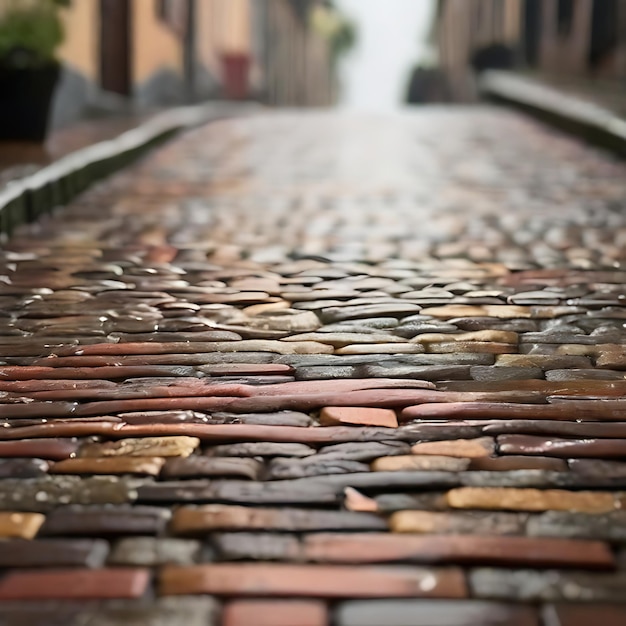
<point>589,121</point>
<point>25,199</point>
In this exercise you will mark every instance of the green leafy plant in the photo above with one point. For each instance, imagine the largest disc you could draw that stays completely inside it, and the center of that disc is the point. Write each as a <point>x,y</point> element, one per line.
<point>30,32</point>
<point>344,38</point>
<point>337,29</point>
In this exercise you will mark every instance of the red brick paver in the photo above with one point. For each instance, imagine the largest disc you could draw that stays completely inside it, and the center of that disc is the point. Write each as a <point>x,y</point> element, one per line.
<point>318,581</point>
<point>77,584</point>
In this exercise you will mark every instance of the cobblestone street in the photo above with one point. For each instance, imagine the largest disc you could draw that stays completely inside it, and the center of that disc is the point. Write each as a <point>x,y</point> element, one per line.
<point>322,369</point>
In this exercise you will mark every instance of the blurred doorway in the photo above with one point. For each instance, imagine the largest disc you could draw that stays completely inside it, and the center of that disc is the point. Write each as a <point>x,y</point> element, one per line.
<point>115,46</point>
<point>532,32</point>
<point>604,32</point>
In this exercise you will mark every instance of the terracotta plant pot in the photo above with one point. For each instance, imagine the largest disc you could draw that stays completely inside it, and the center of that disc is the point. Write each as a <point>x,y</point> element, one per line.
<point>235,70</point>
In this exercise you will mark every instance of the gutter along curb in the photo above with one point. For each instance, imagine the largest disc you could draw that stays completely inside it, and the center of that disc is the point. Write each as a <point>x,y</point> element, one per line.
<point>586,120</point>
<point>26,199</point>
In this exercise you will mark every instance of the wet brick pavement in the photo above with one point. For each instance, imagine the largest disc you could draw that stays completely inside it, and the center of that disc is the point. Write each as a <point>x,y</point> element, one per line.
<point>19,159</point>
<point>311,369</point>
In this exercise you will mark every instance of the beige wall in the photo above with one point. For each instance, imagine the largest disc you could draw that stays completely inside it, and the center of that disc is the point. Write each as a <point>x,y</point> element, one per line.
<point>512,21</point>
<point>455,34</point>
<point>155,45</point>
<point>208,34</point>
<point>82,37</point>
<point>223,26</point>
<point>235,27</point>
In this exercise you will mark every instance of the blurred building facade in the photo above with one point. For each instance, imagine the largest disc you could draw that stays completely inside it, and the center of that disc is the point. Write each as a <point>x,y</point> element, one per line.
<point>295,57</point>
<point>127,55</point>
<point>574,39</point>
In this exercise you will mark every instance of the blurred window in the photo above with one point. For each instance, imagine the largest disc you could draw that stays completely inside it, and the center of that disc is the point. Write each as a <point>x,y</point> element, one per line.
<point>565,16</point>
<point>532,31</point>
<point>499,21</point>
<point>478,18</point>
<point>604,30</point>
<point>173,13</point>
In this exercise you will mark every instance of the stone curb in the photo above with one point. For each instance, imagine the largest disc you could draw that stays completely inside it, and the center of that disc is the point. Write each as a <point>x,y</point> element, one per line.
<point>25,199</point>
<point>591,122</point>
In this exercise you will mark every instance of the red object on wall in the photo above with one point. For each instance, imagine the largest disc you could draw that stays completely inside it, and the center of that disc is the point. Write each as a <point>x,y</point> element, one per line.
<point>235,71</point>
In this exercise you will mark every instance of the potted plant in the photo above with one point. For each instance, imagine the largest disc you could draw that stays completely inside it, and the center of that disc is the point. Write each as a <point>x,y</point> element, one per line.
<point>30,33</point>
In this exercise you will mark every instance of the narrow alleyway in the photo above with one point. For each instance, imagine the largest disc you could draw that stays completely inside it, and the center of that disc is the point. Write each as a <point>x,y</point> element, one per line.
<point>316,369</point>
